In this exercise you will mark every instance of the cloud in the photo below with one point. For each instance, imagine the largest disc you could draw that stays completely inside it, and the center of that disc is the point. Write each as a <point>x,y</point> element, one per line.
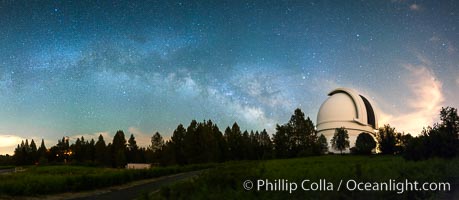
<point>9,142</point>
<point>425,102</point>
<point>457,81</point>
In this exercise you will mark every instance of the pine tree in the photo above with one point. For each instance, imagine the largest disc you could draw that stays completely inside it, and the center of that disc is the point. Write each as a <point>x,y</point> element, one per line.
<point>301,134</point>
<point>42,158</point>
<point>132,144</point>
<point>178,142</point>
<point>91,150</point>
<point>157,145</point>
<point>233,138</point>
<point>132,149</point>
<point>119,149</point>
<point>19,154</point>
<point>157,142</point>
<point>281,142</point>
<point>33,155</point>
<point>266,144</point>
<point>100,151</point>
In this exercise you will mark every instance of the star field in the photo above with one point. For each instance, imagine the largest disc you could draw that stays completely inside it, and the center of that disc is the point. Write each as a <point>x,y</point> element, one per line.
<point>88,67</point>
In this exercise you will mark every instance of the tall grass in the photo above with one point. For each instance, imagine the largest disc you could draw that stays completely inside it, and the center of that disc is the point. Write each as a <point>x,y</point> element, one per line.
<point>56,179</point>
<point>6,166</point>
<point>225,181</point>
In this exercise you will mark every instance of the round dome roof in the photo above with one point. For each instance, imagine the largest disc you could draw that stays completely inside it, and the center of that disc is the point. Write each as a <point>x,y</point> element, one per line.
<point>339,107</point>
<point>346,105</point>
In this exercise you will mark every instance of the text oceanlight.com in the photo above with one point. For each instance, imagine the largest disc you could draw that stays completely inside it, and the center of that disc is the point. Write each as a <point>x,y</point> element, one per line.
<point>398,186</point>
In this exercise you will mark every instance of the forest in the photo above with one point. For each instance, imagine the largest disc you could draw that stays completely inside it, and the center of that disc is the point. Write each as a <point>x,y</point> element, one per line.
<point>204,142</point>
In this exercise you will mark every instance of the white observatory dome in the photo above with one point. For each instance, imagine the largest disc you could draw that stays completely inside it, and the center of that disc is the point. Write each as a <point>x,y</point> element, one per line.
<point>346,108</point>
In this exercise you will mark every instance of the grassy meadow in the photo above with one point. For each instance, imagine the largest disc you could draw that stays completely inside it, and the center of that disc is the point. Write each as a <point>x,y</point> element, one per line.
<point>40,180</point>
<point>225,181</point>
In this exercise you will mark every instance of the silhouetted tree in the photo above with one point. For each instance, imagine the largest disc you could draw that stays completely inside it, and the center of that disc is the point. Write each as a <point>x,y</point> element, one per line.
<point>178,142</point>
<point>233,138</point>
<point>323,144</point>
<point>402,141</point>
<point>42,151</point>
<point>215,143</point>
<point>301,134</point>
<point>448,137</point>
<point>266,145</point>
<point>157,142</point>
<point>19,155</point>
<point>62,153</point>
<point>157,145</point>
<point>192,143</point>
<point>203,142</point>
<point>441,140</point>
<point>247,152</point>
<point>417,149</point>
<point>133,154</point>
<point>340,140</point>
<point>33,154</point>
<point>91,151</point>
<point>101,151</point>
<point>78,150</point>
<point>6,160</point>
<point>387,139</point>
<point>221,146</point>
<point>364,143</point>
<point>280,140</point>
<point>118,149</point>
<point>166,155</point>
<point>132,144</point>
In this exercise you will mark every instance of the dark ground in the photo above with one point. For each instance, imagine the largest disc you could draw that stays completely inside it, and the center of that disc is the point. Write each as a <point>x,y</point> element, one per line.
<point>136,191</point>
<point>6,170</point>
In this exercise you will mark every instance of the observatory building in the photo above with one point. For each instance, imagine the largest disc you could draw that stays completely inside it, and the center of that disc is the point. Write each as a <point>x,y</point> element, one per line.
<point>346,108</point>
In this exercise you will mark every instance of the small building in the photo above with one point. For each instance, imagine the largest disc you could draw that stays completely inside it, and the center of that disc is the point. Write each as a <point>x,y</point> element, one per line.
<point>138,166</point>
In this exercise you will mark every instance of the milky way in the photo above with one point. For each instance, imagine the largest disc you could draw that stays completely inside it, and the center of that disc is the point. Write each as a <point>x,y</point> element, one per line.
<point>87,67</point>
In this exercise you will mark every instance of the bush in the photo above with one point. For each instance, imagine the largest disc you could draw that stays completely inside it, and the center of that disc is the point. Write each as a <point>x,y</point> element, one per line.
<point>364,144</point>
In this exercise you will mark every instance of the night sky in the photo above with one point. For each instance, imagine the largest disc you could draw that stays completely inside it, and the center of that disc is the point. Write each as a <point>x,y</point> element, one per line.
<point>84,68</point>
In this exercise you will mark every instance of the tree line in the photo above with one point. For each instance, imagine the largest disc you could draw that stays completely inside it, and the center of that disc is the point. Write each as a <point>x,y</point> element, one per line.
<point>203,142</point>
<point>440,140</point>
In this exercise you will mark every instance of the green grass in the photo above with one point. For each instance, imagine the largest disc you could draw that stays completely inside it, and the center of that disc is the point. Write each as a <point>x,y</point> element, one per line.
<point>6,167</point>
<point>39,180</point>
<point>225,181</point>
